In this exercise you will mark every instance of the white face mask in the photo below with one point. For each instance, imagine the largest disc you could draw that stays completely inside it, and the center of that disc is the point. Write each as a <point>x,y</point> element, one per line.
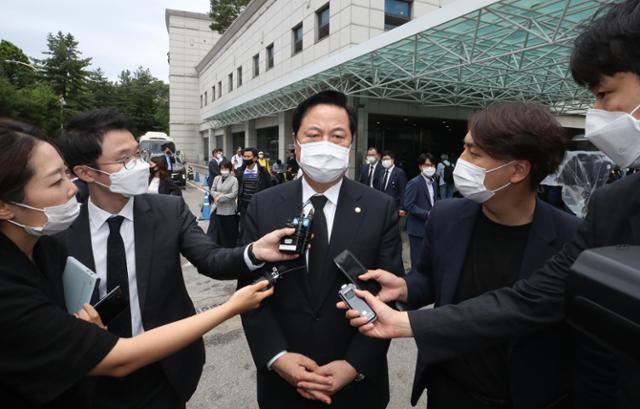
<point>387,163</point>
<point>429,171</point>
<point>59,218</point>
<point>617,134</point>
<point>224,173</point>
<point>371,160</point>
<point>323,161</point>
<point>130,180</point>
<point>469,180</point>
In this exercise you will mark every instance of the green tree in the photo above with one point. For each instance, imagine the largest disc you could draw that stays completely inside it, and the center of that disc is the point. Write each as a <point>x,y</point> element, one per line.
<point>15,65</point>
<point>224,12</point>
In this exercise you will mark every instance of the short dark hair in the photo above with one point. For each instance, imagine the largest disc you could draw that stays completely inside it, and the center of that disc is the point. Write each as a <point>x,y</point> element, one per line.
<point>521,131</point>
<point>426,157</point>
<point>324,98</point>
<point>225,164</point>
<point>389,154</point>
<point>374,148</point>
<point>216,150</point>
<point>609,45</point>
<point>81,144</point>
<point>254,151</point>
<point>17,141</point>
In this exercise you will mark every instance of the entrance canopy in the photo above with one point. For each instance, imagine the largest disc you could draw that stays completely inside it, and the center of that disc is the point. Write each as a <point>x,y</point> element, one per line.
<point>469,53</point>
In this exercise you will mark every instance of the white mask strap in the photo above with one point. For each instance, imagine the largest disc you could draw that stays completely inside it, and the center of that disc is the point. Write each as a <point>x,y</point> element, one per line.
<point>501,166</point>
<point>634,110</point>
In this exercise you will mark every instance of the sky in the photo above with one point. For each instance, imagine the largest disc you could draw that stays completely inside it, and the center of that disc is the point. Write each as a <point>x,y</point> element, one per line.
<point>117,34</point>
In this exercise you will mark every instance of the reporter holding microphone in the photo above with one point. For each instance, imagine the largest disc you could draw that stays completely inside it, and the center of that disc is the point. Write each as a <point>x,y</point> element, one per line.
<point>46,353</point>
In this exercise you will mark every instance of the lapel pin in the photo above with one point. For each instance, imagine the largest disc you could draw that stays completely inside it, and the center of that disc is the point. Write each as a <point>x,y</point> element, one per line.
<point>358,210</point>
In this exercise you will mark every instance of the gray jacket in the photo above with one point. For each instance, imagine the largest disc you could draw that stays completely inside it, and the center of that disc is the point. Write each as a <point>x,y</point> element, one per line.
<point>227,190</point>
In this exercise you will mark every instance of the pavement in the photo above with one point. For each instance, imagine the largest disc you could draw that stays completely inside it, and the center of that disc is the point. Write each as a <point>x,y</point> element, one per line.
<point>229,377</point>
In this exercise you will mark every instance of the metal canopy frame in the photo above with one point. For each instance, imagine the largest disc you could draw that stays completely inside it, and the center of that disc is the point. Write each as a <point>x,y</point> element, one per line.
<point>500,51</point>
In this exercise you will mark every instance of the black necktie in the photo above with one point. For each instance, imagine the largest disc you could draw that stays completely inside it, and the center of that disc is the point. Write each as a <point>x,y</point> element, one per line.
<point>320,243</point>
<point>370,175</point>
<point>385,180</point>
<point>117,275</point>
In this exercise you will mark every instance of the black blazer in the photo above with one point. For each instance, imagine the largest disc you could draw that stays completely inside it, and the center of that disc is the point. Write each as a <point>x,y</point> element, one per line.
<point>214,170</point>
<point>168,187</point>
<point>395,185</point>
<point>538,364</point>
<point>535,303</point>
<point>377,175</point>
<point>164,228</point>
<point>418,204</point>
<point>365,223</point>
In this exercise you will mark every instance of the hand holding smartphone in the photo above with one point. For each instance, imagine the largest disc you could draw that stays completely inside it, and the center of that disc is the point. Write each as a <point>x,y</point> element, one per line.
<point>111,305</point>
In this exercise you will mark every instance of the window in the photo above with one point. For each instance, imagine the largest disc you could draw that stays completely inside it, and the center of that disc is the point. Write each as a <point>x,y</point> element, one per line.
<point>297,39</point>
<point>213,93</point>
<point>230,87</point>
<point>200,100</point>
<point>239,75</point>
<point>256,65</point>
<point>206,98</point>
<point>323,22</point>
<point>270,56</point>
<point>219,89</point>
<point>396,13</point>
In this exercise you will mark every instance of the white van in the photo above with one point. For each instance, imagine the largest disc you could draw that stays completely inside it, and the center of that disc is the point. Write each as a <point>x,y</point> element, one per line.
<point>153,142</point>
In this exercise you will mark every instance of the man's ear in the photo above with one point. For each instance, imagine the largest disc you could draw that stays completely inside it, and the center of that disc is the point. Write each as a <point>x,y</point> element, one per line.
<point>84,173</point>
<point>523,170</point>
<point>5,211</point>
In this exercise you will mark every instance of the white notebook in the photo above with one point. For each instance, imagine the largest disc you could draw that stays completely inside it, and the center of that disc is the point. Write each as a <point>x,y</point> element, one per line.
<point>79,282</point>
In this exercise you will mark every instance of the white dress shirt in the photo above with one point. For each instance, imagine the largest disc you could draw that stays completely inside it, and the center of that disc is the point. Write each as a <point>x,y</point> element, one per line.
<point>154,185</point>
<point>329,209</point>
<point>384,188</point>
<point>429,183</point>
<point>373,172</point>
<point>99,234</point>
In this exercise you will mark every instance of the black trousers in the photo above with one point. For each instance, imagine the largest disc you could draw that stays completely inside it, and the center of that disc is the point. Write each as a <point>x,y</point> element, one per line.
<point>445,393</point>
<point>147,388</point>
<point>223,230</point>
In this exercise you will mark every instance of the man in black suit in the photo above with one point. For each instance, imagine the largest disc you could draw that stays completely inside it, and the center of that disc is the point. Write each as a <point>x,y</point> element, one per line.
<point>393,180</point>
<point>304,350</point>
<point>135,240</point>
<point>214,170</point>
<point>606,60</point>
<point>371,172</point>
<point>501,232</point>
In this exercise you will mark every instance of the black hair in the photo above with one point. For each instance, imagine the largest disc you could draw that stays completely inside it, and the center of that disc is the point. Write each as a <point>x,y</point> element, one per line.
<point>389,154</point>
<point>225,164</point>
<point>17,141</point>
<point>426,157</point>
<point>81,144</point>
<point>609,45</point>
<point>521,131</point>
<point>254,151</point>
<point>374,148</point>
<point>324,98</point>
<point>161,163</point>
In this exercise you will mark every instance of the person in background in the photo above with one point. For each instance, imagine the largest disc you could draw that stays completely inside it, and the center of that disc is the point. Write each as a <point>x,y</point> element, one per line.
<point>159,178</point>
<point>264,162</point>
<point>252,178</point>
<point>236,160</point>
<point>393,181</point>
<point>278,171</point>
<point>445,177</point>
<point>216,158</point>
<point>292,163</point>
<point>223,224</point>
<point>372,171</point>
<point>420,196</point>
<point>168,156</point>
<point>48,354</point>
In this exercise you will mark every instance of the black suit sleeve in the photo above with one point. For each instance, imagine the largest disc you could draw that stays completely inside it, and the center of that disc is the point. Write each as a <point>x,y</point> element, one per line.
<point>420,282</point>
<point>529,305</point>
<point>209,258</point>
<point>364,353</point>
<point>263,332</point>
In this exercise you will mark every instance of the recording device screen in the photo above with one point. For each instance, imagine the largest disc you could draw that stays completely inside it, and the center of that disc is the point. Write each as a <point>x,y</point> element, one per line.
<point>299,241</point>
<point>352,268</point>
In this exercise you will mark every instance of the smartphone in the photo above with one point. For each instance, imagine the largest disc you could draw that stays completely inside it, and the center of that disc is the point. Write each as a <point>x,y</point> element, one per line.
<point>112,305</point>
<point>347,294</point>
<point>352,268</point>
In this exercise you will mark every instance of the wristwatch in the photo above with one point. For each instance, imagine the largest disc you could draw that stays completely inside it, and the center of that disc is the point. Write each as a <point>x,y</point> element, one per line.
<point>359,377</point>
<point>252,256</point>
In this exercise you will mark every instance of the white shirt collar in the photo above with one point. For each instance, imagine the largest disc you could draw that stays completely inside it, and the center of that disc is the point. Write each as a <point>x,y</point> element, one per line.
<point>331,194</point>
<point>98,216</point>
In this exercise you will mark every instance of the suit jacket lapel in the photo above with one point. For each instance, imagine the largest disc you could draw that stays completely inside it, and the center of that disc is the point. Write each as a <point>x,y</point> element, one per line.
<point>78,239</point>
<point>144,234</point>
<point>539,243</point>
<point>346,224</point>
<point>459,232</point>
